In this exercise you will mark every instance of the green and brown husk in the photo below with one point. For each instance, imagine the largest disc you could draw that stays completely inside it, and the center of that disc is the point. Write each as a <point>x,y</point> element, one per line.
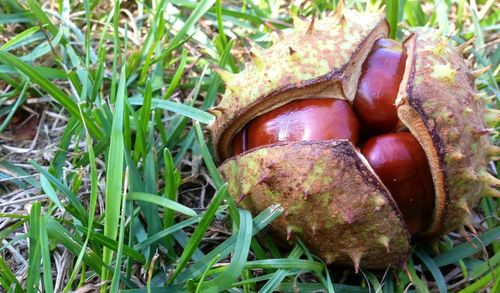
<point>333,200</point>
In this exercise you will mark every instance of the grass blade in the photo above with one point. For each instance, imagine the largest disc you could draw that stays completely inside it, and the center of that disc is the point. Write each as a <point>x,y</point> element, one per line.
<point>285,263</point>
<point>235,268</point>
<point>434,269</point>
<point>34,250</point>
<point>442,15</point>
<point>61,235</point>
<point>201,8</point>
<point>478,285</point>
<point>259,222</point>
<point>199,287</point>
<point>392,17</point>
<point>114,168</point>
<point>100,239</point>
<point>115,282</point>
<point>195,239</point>
<point>92,208</point>
<point>415,279</point>
<point>170,230</point>
<point>216,80</point>
<point>8,279</point>
<point>485,266</point>
<point>214,173</point>
<point>80,211</point>
<point>464,250</point>
<point>47,268</point>
<point>172,183</point>
<point>42,16</point>
<point>188,111</point>
<point>20,38</point>
<point>280,274</point>
<point>177,76</point>
<point>161,201</point>
<point>20,172</point>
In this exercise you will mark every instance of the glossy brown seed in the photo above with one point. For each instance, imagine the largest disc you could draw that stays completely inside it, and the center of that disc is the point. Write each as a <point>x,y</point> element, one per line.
<point>401,163</point>
<point>378,87</point>
<point>300,120</point>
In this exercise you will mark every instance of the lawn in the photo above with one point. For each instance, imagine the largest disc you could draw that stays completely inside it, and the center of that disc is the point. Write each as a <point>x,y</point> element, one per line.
<point>107,177</point>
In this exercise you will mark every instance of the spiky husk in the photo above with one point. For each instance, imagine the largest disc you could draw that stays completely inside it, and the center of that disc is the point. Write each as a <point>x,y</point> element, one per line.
<point>322,60</point>
<point>332,199</point>
<point>438,103</point>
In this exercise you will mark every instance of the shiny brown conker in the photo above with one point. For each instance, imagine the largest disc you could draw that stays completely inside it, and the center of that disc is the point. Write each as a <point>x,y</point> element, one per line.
<point>378,87</point>
<point>300,120</point>
<point>401,163</point>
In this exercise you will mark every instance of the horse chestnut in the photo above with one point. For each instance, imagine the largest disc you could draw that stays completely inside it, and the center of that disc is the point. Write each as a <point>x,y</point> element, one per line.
<point>381,74</point>
<point>341,202</point>
<point>300,120</point>
<point>401,163</point>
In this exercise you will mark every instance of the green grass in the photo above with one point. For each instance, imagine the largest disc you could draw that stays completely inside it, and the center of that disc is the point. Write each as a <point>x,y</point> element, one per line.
<point>122,182</point>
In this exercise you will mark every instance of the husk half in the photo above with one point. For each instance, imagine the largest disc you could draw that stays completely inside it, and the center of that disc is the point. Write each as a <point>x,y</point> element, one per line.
<point>438,103</point>
<point>332,199</point>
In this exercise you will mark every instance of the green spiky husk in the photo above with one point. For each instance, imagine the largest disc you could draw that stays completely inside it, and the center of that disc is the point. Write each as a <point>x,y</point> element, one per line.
<point>332,200</point>
<point>438,103</point>
<point>319,181</point>
<point>323,62</point>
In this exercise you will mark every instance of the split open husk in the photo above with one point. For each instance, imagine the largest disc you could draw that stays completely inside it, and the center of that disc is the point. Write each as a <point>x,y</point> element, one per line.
<point>437,101</point>
<point>333,199</point>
